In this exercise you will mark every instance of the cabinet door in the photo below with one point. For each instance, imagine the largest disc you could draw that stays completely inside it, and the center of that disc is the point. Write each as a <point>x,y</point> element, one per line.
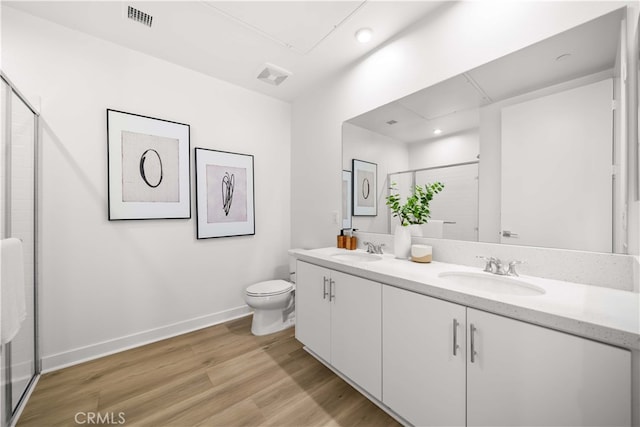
<point>423,381</point>
<point>313,322</point>
<point>356,330</point>
<point>524,375</point>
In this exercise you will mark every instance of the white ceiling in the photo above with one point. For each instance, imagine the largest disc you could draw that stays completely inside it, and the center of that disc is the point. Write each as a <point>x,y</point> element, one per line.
<point>233,40</point>
<point>453,105</point>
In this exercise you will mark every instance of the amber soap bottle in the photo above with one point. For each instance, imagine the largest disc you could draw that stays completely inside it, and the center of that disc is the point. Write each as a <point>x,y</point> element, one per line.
<point>352,241</point>
<point>342,240</point>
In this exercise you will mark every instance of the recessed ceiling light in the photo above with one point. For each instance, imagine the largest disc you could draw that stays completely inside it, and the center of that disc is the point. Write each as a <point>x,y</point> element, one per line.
<point>392,122</point>
<point>363,35</point>
<point>563,57</point>
<point>437,131</point>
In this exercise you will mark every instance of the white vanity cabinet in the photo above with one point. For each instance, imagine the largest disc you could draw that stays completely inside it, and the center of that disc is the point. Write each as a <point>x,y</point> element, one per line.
<point>313,312</point>
<point>338,317</point>
<point>520,374</point>
<point>423,377</point>
<point>524,374</point>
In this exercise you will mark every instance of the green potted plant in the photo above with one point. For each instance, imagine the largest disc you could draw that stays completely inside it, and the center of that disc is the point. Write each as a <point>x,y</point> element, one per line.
<point>414,211</point>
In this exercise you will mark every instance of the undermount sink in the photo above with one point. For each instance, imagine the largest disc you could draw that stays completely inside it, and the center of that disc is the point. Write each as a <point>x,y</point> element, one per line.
<point>356,257</point>
<point>491,283</point>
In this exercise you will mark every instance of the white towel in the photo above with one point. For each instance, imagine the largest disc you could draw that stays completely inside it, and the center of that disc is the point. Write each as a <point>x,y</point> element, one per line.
<point>12,291</point>
<point>434,228</point>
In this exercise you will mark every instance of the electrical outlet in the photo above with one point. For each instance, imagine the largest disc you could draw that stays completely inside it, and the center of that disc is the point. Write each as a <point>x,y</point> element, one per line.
<point>335,217</point>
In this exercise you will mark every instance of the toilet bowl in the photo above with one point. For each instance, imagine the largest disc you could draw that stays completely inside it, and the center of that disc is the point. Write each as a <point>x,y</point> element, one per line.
<point>273,306</point>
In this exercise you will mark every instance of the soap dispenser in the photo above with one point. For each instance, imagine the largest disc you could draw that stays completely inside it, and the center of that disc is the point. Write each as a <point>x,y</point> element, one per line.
<point>342,240</point>
<point>352,241</point>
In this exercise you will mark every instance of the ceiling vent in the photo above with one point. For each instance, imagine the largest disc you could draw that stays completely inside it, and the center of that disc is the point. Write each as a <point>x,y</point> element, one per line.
<point>139,16</point>
<point>273,74</point>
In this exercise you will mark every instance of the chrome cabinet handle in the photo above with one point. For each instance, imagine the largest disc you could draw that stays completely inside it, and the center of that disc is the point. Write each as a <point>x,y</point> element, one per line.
<point>324,287</point>
<point>455,337</point>
<point>507,233</point>
<point>332,290</point>
<point>472,330</point>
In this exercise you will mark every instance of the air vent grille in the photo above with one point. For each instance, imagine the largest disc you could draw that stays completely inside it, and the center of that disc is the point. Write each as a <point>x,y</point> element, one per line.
<point>139,16</point>
<point>273,74</point>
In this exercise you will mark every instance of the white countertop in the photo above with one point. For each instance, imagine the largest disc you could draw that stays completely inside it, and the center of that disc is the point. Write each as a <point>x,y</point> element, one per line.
<point>603,314</point>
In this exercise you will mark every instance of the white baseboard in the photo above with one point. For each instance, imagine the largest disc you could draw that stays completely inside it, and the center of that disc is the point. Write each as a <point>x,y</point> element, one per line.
<point>83,354</point>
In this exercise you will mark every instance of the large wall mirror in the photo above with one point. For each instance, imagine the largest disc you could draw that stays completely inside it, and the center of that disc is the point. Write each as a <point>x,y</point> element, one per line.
<point>532,147</point>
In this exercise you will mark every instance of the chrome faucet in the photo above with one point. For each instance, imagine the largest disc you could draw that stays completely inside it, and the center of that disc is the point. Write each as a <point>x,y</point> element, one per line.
<point>495,266</point>
<point>372,248</point>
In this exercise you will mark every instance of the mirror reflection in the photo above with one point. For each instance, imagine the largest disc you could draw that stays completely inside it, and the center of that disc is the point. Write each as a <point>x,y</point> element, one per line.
<point>531,147</point>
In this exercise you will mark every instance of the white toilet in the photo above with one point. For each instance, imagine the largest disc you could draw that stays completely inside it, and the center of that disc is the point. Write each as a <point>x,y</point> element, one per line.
<point>273,306</point>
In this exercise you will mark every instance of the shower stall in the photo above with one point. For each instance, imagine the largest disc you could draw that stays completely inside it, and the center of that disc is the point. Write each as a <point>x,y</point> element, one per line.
<point>456,208</point>
<point>18,219</point>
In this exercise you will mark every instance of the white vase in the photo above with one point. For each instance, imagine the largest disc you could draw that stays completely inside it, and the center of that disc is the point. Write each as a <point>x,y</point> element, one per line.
<point>402,242</point>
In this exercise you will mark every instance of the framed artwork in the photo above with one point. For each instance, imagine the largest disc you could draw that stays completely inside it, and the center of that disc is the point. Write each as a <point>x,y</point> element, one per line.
<point>365,178</point>
<point>224,194</point>
<point>346,199</point>
<point>148,167</point>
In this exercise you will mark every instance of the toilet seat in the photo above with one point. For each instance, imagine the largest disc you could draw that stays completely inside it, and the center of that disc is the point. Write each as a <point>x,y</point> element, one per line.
<point>269,288</point>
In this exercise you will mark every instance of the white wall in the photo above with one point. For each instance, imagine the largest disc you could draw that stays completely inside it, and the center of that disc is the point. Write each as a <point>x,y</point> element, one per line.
<point>455,38</point>
<point>389,154</point>
<point>108,285</point>
<point>456,148</point>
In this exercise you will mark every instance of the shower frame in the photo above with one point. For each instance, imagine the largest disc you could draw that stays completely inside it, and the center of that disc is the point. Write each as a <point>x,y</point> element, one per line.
<point>413,183</point>
<point>10,414</point>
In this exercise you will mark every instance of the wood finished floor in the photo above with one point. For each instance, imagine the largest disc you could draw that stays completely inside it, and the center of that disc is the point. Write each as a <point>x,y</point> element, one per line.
<point>218,376</point>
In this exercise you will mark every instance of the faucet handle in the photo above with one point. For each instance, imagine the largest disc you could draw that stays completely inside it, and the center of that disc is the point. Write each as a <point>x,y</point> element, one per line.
<point>490,262</point>
<point>512,268</point>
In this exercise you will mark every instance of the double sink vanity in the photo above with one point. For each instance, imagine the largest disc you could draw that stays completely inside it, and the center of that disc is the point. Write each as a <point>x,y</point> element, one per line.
<point>447,344</point>
<point>524,148</point>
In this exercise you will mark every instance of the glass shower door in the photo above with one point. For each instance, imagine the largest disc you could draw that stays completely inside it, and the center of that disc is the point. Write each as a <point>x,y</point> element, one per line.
<point>22,226</point>
<point>18,220</point>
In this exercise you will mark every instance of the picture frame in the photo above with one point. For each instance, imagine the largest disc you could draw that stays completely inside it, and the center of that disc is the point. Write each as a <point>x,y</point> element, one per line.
<point>148,167</point>
<point>364,188</point>
<point>346,199</point>
<point>225,196</point>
